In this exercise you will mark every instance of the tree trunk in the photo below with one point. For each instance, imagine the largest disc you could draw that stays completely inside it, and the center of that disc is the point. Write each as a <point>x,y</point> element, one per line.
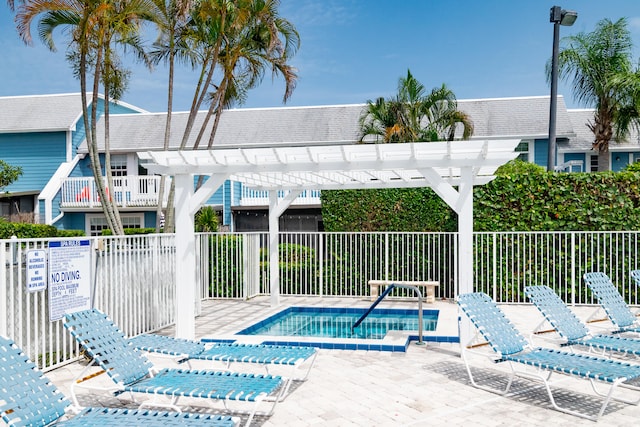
<point>167,128</point>
<point>110,201</point>
<point>603,160</point>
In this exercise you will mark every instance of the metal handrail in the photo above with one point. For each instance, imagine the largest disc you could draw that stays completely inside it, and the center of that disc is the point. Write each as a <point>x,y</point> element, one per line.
<point>384,294</point>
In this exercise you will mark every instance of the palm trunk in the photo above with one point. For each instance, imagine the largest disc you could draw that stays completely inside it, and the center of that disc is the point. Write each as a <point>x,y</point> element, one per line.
<point>93,144</point>
<point>110,199</point>
<point>167,129</point>
<point>208,69</point>
<point>219,100</point>
<point>602,129</point>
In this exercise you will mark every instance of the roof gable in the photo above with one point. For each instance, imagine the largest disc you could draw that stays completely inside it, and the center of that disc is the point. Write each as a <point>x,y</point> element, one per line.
<point>43,113</point>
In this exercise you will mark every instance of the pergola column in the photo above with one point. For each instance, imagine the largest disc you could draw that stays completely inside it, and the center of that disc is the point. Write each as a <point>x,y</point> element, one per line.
<point>276,208</point>
<point>185,258</point>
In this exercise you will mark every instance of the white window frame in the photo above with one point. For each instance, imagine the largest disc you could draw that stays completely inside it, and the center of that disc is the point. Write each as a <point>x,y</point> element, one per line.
<point>528,152</point>
<point>138,217</point>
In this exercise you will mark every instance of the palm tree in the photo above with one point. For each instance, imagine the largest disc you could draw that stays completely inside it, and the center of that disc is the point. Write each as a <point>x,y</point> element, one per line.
<point>170,18</point>
<point>600,64</point>
<point>94,26</point>
<point>238,41</point>
<point>415,116</point>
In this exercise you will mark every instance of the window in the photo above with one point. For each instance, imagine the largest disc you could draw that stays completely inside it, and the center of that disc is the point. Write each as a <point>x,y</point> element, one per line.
<point>523,149</point>
<point>593,163</point>
<point>118,165</point>
<point>97,223</point>
<point>118,168</point>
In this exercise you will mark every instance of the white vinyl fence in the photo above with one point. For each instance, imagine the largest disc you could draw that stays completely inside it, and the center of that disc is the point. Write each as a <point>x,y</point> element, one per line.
<point>134,276</point>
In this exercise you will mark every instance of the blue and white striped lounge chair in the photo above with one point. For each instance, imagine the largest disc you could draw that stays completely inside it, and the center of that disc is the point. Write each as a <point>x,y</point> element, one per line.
<point>572,330</point>
<point>612,303</point>
<point>228,353</point>
<point>131,372</point>
<point>510,346</point>
<point>28,398</point>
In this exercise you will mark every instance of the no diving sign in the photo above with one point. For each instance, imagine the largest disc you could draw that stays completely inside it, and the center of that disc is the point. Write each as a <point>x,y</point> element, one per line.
<point>69,277</point>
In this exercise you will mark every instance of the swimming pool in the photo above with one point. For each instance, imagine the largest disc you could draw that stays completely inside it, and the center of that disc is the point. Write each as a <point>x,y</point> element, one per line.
<point>319,324</point>
<point>337,322</point>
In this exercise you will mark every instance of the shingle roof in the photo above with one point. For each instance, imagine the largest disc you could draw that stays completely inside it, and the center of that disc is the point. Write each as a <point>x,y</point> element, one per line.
<point>524,117</point>
<point>584,138</point>
<point>250,127</point>
<point>38,113</point>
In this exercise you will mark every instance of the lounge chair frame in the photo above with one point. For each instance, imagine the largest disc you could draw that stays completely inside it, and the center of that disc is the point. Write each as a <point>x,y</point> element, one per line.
<point>130,372</point>
<point>508,345</point>
<point>28,398</point>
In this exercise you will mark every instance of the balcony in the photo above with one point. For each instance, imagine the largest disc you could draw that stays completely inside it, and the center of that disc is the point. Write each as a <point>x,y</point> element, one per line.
<point>128,191</point>
<point>252,197</point>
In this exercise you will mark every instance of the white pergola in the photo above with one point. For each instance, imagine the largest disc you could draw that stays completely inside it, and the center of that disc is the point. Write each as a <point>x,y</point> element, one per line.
<point>451,169</point>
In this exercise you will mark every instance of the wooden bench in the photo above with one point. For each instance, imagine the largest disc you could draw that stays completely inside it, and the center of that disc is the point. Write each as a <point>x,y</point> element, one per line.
<point>428,286</point>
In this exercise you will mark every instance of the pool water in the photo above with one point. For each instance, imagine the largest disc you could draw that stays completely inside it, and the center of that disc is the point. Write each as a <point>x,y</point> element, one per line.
<point>337,322</point>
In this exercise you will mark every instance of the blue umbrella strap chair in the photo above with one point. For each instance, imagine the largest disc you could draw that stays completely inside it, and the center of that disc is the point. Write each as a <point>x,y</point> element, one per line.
<point>28,398</point>
<point>509,346</point>
<point>131,372</point>
<point>572,331</point>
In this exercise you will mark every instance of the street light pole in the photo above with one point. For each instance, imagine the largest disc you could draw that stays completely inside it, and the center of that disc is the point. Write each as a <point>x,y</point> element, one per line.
<point>559,17</point>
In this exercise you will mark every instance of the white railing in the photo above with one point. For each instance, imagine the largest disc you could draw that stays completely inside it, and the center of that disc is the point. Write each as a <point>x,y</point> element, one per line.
<point>507,262</point>
<point>252,197</point>
<point>128,191</point>
<point>134,276</point>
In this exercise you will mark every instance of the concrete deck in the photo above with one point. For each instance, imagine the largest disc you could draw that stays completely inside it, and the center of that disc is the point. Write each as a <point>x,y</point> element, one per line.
<point>425,386</point>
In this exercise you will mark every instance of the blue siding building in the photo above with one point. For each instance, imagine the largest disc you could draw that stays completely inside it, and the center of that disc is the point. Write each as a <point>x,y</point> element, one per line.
<point>45,136</point>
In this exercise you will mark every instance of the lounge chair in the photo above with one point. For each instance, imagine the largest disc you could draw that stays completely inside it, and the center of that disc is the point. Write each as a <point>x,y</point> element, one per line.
<point>508,345</point>
<point>183,350</point>
<point>635,275</point>
<point>130,371</point>
<point>612,303</point>
<point>28,398</point>
<point>571,329</point>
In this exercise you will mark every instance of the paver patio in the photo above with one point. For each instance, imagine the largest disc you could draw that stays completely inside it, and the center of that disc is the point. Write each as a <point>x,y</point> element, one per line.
<point>425,386</point>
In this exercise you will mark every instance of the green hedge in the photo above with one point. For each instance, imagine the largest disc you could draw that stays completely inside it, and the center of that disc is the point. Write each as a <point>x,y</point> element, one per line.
<point>33,231</point>
<point>523,197</point>
<point>544,201</point>
<point>131,231</point>
<point>394,209</point>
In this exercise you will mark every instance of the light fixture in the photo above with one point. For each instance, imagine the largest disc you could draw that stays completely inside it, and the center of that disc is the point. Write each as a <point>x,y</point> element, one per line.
<point>557,16</point>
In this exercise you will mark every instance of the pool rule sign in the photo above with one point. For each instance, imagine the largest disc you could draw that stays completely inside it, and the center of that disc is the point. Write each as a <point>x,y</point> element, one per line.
<point>69,277</point>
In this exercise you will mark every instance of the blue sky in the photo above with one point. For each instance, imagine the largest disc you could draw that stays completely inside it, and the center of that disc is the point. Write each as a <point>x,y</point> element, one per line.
<point>355,50</point>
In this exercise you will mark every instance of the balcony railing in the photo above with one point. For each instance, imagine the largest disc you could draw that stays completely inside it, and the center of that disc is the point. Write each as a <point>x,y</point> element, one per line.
<point>128,191</point>
<point>251,197</point>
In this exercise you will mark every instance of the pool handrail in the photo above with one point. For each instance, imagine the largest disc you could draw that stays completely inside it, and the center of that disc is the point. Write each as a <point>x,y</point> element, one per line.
<point>384,294</point>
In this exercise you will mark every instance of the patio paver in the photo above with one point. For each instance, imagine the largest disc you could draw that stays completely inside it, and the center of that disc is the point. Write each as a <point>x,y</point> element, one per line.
<point>425,386</point>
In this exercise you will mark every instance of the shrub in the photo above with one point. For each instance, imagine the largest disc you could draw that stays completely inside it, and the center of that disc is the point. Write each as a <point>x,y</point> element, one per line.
<point>27,230</point>
<point>130,231</point>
